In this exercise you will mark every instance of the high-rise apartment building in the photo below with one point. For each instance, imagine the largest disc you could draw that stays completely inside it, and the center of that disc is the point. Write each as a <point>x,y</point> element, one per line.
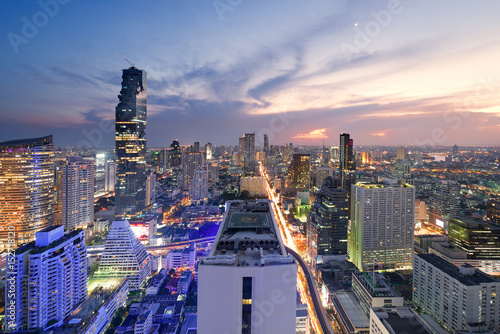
<point>130,140</point>
<point>455,297</point>
<point>382,224</point>
<point>190,162</point>
<point>347,162</point>
<point>26,189</point>
<point>77,193</point>
<point>247,148</point>
<point>255,185</point>
<point>327,222</point>
<point>99,173</point>
<point>298,174</point>
<point>198,188</point>
<point>209,152</point>
<point>124,256</point>
<point>46,280</point>
<point>248,282</point>
<point>320,174</point>
<point>150,188</point>
<point>401,153</point>
<point>266,144</point>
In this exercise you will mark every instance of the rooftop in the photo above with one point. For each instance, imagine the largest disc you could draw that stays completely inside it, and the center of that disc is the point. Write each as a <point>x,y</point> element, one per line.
<point>38,250</point>
<point>248,236</point>
<point>28,142</point>
<point>453,271</point>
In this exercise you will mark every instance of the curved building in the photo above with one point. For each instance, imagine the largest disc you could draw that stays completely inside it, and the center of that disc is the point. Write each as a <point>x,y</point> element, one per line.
<point>26,189</point>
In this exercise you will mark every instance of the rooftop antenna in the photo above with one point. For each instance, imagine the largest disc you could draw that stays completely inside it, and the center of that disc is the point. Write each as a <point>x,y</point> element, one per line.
<point>131,64</point>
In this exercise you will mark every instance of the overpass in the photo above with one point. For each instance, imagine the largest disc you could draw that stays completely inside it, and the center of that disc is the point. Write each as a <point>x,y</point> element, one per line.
<point>326,327</point>
<point>97,250</point>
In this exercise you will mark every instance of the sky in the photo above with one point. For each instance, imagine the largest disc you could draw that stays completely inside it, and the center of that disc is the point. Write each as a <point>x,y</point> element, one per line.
<point>389,72</point>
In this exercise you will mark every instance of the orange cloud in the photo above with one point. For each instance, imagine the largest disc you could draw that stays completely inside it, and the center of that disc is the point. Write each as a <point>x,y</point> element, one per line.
<point>379,134</point>
<point>315,134</point>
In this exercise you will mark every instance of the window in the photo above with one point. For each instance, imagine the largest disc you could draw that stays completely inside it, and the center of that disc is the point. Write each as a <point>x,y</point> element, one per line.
<point>246,309</point>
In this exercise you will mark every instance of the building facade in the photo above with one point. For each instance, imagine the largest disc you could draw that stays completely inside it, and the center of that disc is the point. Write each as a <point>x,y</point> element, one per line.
<point>77,193</point>
<point>26,190</point>
<point>124,256</point>
<point>130,140</point>
<point>248,281</point>
<point>198,189</point>
<point>347,162</point>
<point>382,225</point>
<point>190,162</point>
<point>48,280</point>
<point>454,296</point>
<point>298,174</point>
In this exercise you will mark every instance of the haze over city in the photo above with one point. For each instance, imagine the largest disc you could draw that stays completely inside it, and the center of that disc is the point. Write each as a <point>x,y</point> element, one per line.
<point>388,72</point>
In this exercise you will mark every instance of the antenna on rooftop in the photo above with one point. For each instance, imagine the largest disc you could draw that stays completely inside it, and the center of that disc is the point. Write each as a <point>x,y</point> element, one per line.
<point>128,61</point>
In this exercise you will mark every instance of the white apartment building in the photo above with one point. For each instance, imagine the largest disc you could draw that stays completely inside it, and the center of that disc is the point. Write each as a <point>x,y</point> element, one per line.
<point>46,280</point>
<point>382,224</point>
<point>248,282</point>
<point>198,189</point>
<point>454,296</point>
<point>77,193</point>
<point>255,185</point>
<point>180,258</point>
<point>124,256</point>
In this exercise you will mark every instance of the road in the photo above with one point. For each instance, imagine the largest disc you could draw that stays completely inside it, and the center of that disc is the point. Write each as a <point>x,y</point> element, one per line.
<point>96,250</point>
<point>311,296</point>
<point>316,299</point>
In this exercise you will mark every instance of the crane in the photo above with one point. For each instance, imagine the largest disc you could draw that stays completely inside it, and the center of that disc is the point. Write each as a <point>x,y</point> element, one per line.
<point>131,64</point>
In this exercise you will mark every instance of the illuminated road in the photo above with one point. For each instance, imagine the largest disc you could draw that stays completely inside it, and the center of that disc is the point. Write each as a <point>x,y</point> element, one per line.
<point>96,250</point>
<point>316,299</point>
<point>310,295</point>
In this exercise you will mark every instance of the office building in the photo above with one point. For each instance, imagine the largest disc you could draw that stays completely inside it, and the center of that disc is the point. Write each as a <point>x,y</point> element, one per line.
<point>175,154</point>
<point>180,258</point>
<point>184,282</point>
<point>382,224</point>
<point>321,173</point>
<point>347,162</point>
<point>248,281</point>
<point>100,173</point>
<point>454,296</point>
<point>130,140</point>
<point>493,211</point>
<point>190,162</point>
<point>247,149</point>
<point>48,280</point>
<point>327,222</point>
<point>77,193</point>
<point>110,176</point>
<point>298,174</point>
<point>26,189</point>
<point>444,202</point>
<point>371,289</point>
<point>198,189</point>
<point>124,256</point>
<point>150,188</point>
<point>255,185</point>
<point>480,239</point>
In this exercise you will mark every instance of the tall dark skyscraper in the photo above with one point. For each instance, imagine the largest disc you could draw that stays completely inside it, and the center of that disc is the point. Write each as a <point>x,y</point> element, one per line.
<point>175,154</point>
<point>298,178</point>
<point>327,222</point>
<point>247,148</point>
<point>347,162</point>
<point>26,189</point>
<point>130,140</point>
<point>266,144</point>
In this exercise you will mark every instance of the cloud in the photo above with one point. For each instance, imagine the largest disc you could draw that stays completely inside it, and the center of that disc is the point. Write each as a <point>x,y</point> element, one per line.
<point>315,134</point>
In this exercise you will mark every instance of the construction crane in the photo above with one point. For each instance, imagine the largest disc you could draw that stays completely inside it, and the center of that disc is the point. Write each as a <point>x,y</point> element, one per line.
<point>131,64</point>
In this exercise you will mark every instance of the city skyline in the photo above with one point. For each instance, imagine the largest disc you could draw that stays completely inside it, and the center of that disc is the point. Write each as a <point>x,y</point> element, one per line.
<point>387,72</point>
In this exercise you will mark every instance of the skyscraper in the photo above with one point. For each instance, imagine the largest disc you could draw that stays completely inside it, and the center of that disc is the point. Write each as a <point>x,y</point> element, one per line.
<point>266,144</point>
<point>381,231</point>
<point>26,189</point>
<point>208,151</point>
<point>198,189</point>
<point>246,270</point>
<point>401,153</point>
<point>49,280</point>
<point>327,222</point>
<point>444,201</point>
<point>247,148</point>
<point>347,162</point>
<point>110,176</point>
<point>130,140</point>
<point>190,162</point>
<point>77,193</point>
<point>298,177</point>
<point>175,154</point>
